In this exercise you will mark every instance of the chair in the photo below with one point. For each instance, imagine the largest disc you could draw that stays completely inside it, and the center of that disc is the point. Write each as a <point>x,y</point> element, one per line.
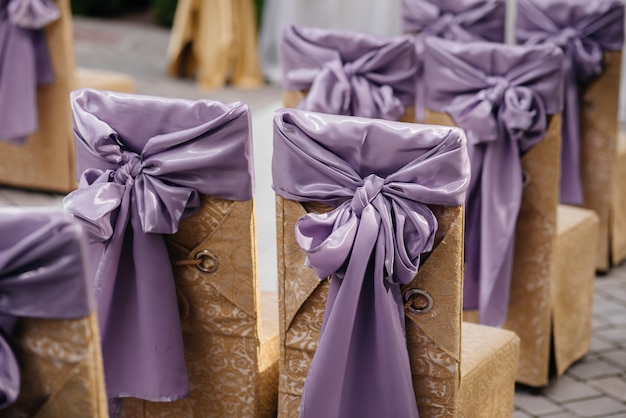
<point>45,161</point>
<point>187,306</point>
<point>334,188</point>
<point>468,20</point>
<point>591,36</point>
<point>49,345</point>
<point>518,274</point>
<point>348,73</point>
<point>215,41</point>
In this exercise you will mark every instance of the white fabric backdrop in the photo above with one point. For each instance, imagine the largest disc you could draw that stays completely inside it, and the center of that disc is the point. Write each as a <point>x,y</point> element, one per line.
<point>376,17</point>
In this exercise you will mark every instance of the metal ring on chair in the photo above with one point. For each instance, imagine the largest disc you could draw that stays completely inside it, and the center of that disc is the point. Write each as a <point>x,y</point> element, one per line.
<point>525,179</point>
<point>413,295</point>
<point>209,263</point>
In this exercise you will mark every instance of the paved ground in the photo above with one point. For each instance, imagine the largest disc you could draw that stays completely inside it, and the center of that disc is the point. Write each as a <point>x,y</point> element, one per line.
<point>593,387</point>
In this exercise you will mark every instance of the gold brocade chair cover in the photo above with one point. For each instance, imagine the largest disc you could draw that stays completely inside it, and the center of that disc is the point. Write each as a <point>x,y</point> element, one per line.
<point>59,359</point>
<point>231,355</point>
<point>602,159</point>
<point>458,369</point>
<point>552,282</point>
<point>46,161</point>
<point>617,219</point>
<point>216,41</point>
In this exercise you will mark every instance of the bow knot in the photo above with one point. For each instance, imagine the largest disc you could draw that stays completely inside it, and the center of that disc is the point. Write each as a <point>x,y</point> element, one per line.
<point>497,88</point>
<point>131,166</point>
<point>32,14</point>
<point>364,195</point>
<point>566,36</point>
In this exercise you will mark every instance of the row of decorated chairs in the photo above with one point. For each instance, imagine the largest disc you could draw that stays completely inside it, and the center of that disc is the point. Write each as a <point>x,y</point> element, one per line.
<point>400,231</point>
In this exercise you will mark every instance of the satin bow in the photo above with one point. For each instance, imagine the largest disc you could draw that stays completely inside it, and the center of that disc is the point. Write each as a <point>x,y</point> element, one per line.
<point>24,64</point>
<point>380,176</point>
<point>468,20</point>
<point>42,275</point>
<point>32,14</point>
<point>145,160</point>
<point>349,73</point>
<point>583,30</point>
<point>464,20</point>
<point>501,96</point>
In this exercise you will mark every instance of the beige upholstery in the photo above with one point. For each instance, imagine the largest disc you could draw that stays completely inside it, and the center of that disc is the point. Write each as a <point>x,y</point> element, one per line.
<point>439,362</point>
<point>46,161</point>
<point>617,218</point>
<point>599,127</point>
<point>230,329</point>
<point>215,40</point>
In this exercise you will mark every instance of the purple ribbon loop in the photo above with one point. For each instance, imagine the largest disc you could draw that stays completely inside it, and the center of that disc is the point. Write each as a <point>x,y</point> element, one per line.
<point>349,73</point>
<point>42,275</point>
<point>32,14</point>
<point>139,179</point>
<point>380,176</point>
<point>24,63</point>
<point>583,29</point>
<point>501,96</point>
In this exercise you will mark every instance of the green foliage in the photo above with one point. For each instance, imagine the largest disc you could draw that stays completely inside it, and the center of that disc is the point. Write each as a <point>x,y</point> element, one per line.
<point>107,8</point>
<point>164,11</point>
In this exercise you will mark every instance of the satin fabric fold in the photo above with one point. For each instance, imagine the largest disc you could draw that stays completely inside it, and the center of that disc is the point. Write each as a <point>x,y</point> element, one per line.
<point>349,73</point>
<point>380,176</point>
<point>143,162</point>
<point>464,20</point>
<point>42,275</point>
<point>24,64</point>
<point>501,95</point>
<point>583,29</point>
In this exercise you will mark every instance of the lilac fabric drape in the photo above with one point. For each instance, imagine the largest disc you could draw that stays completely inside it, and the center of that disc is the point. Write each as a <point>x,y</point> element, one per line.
<point>143,163</point>
<point>42,275</point>
<point>24,64</point>
<point>583,29</point>
<point>458,20</point>
<point>379,175</point>
<point>501,96</point>
<point>349,73</point>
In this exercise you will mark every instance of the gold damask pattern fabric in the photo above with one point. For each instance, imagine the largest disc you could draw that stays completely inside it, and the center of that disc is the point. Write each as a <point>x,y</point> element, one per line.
<point>571,293</point>
<point>599,126</point>
<point>61,369</point>
<point>488,369</point>
<point>618,204</point>
<point>231,354</point>
<point>433,338</point>
<point>530,310</point>
<point>291,99</point>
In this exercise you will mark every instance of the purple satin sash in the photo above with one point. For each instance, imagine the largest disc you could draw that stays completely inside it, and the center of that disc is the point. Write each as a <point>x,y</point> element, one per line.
<point>501,96</point>
<point>24,64</point>
<point>583,29</point>
<point>42,275</point>
<point>458,20</point>
<point>144,162</point>
<point>380,176</point>
<point>349,73</point>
